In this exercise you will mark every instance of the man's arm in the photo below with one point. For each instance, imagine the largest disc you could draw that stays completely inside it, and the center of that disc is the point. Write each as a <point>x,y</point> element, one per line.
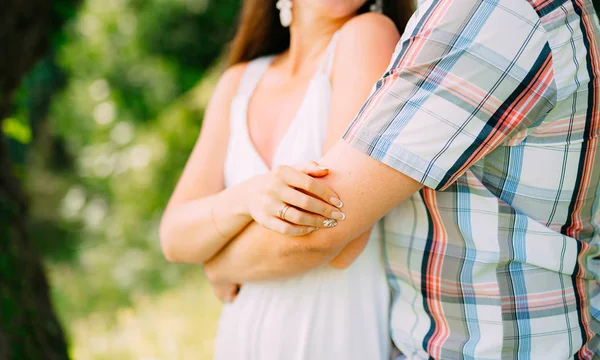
<point>369,190</point>
<point>461,83</point>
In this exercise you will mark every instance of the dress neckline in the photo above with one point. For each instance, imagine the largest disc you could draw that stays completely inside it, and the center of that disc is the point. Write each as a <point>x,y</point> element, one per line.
<point>323,70</point>
<point>282,140</point>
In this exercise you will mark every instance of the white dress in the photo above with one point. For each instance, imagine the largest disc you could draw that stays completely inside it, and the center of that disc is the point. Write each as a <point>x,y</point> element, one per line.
<point>326,313</point>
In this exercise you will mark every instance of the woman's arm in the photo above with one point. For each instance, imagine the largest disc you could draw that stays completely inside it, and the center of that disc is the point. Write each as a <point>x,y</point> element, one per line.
<point>359,62</point>
<point>369,188</point>
<point>202,216</point>
<point>363,51</point>
<point>187,230</point>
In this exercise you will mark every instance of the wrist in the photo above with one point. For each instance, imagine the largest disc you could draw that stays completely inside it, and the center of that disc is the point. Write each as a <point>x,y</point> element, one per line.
<point>233,202</point>
<point>242,203</point>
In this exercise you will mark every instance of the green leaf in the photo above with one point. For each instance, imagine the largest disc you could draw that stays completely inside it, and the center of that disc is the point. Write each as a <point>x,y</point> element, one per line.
<point>17,130</point>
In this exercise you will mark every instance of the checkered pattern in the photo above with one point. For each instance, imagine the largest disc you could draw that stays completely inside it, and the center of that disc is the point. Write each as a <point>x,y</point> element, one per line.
<point>493,106</point>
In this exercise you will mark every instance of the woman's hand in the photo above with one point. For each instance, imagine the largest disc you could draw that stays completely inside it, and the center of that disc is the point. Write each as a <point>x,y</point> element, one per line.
<point>290,200</point>
<point>226,292</point>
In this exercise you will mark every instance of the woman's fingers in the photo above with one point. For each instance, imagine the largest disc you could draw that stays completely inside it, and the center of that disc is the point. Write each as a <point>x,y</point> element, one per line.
<point>287,228</point>
<point>295,178</point>
<point>312,206</point>
<point>300,217</point>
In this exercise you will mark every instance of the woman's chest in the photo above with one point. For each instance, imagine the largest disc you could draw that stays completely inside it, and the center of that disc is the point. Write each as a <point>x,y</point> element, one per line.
<point>272,113</point>
<point>266,133</point>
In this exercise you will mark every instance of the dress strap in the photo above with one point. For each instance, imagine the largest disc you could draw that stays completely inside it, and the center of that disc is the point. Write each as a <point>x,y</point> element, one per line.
<point>329,55</point>
<point>252,75</point>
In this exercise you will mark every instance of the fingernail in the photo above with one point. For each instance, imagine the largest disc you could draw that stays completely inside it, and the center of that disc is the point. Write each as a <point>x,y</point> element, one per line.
<point>336,202</point>
<point>338,215</point>
<point>329,223</point>
<point>323,168</point>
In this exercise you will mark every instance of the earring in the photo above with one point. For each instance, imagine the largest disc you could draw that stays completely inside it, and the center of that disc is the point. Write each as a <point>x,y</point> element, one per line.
<point>285,12</point>
<point>377,6</point>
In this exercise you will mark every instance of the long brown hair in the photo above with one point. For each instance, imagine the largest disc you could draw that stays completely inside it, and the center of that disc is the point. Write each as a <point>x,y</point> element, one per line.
<point>260,33</point>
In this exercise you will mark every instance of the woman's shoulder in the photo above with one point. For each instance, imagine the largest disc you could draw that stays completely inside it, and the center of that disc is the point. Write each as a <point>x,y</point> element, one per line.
<point>369,29</point>
<point>232,77</point>
<point>364,39</point>
<point>225,90</point>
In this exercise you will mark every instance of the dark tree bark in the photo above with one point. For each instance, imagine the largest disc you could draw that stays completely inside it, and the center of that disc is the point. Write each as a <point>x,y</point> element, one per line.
<point>29,328</point>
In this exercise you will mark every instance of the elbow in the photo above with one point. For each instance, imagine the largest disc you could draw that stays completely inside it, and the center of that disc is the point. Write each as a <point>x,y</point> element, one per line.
<point>169,245</point>
<point>166,243</point>
<point>168,253</point>
<point>176,247</point>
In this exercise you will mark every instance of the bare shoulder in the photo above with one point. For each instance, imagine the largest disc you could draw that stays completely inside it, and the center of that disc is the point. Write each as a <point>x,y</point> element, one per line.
<point>366,40</point>
<point>220,101</point>
<point>230,80</point>
<point>370,30</point>
<point>370,22</point>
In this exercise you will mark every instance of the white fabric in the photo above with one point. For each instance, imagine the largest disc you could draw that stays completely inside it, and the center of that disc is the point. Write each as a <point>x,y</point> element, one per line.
<point>326,313</point>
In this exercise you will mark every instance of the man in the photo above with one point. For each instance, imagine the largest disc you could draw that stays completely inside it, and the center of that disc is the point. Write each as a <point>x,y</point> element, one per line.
<point>480,144</point>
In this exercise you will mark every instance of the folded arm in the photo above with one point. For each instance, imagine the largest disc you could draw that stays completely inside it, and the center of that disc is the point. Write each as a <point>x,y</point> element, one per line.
<point>369,188</point>
<point>442,106</point>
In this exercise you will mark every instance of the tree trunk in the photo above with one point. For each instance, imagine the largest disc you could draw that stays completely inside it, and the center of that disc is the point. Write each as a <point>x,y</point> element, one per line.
<point>29,329</point>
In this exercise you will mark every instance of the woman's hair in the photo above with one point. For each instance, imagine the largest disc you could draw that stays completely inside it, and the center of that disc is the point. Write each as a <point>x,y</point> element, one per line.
<point>260,33</point>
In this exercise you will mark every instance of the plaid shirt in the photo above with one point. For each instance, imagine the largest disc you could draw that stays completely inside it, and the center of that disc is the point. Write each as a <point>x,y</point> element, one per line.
<point>493,106</point>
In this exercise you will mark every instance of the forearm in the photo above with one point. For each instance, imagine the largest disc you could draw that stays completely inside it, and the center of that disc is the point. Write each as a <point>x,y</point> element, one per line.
<point>369,189</point>
<point>347,256</point>
<point>260,254</point>
<point>251,256</point>
<point>194,231</point>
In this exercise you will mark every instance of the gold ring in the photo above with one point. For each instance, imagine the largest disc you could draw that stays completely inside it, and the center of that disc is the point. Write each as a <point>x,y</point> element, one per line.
<point>281,213</point>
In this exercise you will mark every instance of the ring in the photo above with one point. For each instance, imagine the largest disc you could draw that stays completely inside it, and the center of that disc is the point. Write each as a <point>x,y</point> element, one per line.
<point>281,213</point>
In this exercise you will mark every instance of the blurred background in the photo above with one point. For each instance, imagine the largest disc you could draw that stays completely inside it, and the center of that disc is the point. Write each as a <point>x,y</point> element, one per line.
<point>101,102</point>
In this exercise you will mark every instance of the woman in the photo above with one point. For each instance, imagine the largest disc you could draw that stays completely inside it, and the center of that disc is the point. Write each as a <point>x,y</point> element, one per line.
<point>288,96</point>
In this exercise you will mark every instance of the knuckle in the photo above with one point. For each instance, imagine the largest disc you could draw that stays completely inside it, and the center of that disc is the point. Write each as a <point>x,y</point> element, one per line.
<point>305,202</point>
<point>280,169</point>
<point>308,184</point>
<point>288,229</point>
<point>264,202</point>
<point>270,191</point>
<point>295,217</point>
<point>324,192</point>
<point>303,219</point>
<point>272,183</point>
<point>316,221</point>
<point>281,228</point>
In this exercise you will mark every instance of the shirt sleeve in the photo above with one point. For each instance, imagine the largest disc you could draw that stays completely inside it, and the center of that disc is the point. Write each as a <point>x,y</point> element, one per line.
<point>465,76</point>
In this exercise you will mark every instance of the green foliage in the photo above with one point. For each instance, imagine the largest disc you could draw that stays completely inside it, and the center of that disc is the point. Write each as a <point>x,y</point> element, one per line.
<point>17,129</point>
<point>100,172</point>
